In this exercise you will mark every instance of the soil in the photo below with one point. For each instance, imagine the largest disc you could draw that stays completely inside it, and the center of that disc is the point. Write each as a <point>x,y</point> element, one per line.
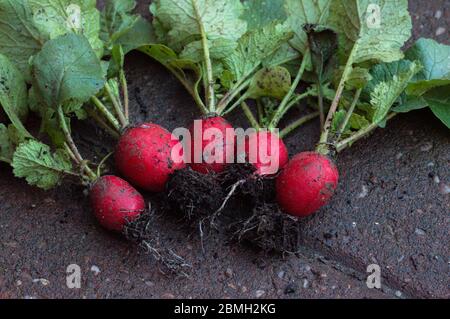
<point>391,209</point>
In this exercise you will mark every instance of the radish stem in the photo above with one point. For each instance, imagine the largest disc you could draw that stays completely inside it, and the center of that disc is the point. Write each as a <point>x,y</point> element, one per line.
<point>235,105</point>
<point>71,144</point>
<point>123,121</point>
<point>102,123</point>
<point>341,146</point>
<point>4,159</point>
<point>249,114</point>
<point>349,114</point>
<point>322,147</point>
<point>321,107</point>
<point>285,105</point>
<point>238,88</point>
<point>106,113</point>
<point>305,119</point>
<point>126,98</point>
<point>210,94</point>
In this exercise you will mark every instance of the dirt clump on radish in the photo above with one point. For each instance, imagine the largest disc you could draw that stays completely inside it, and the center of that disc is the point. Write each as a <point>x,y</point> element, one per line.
<point>254,216</point>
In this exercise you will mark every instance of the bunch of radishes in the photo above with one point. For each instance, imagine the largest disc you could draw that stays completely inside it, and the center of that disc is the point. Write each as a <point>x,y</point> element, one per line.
<point>262,57</point>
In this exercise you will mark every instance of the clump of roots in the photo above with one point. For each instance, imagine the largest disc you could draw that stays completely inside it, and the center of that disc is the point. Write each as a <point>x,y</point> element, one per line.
<point>241,182</point>
<point>196,196</point>
<point>142,233</point>
<point>269,229</point>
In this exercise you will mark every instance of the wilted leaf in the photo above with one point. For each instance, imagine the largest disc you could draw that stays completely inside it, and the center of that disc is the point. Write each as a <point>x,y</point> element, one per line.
<point>36,163</point>
<point>270,82</point>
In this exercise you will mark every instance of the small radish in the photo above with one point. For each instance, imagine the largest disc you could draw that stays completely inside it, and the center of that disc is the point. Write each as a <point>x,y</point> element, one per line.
<point>212,146</point>
<point>306,184</point>
<point>144,156</point>
<point>116,203</point>
<point>270,154</point>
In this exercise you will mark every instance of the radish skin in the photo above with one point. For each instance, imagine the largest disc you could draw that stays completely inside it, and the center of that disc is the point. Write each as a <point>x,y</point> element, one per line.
<point>115,203</point>
<point>265,139</point>
<point>307,184</point>
<point>144,156</point>
<point>201,143</point>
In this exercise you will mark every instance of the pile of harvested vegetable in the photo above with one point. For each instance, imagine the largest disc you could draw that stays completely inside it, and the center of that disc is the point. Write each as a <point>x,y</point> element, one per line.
<point>343,62</point>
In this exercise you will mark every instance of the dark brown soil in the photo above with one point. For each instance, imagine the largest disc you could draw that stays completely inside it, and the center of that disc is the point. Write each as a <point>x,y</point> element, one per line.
<point>391,210</point>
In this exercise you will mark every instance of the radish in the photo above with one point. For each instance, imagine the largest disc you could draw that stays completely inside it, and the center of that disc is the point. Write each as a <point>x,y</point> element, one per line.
<point>306,184</point>
<point>220,147</point>
<point>276,156</point>
<point>116,203</point>
<point>144,156</point>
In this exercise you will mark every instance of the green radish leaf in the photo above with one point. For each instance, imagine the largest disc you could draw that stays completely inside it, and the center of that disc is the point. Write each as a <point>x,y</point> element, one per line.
<point>116,19</point>
<point>303,12</point>
<point>323,44</point>
<point>338,120</point>
<point>141,33</point>
<point>13,94</point>
<point>439,102</point>
<point>357,79</point>
<point>10,137</point>
<point>19,37</point>
<point>187,72</point>
<point>260,14</point>
<point>117,61</point>
<point>409,104</point>
<point>219,49</point>
<point>358,122</point>
<point>55,18</point>
<point>370,29</point>
<point>36,163</point>
<point>327,92</point>
<point>270,82</point>
<point>6,145</point>
<point>183,21</point>
<point>67,70</point>
<point>435,59</point>
<point>389,82</point>
<point>119,26</point>
<point>254,47</point>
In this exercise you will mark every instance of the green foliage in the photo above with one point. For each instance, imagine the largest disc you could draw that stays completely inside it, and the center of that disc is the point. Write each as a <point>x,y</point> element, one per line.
<point>36,163</point>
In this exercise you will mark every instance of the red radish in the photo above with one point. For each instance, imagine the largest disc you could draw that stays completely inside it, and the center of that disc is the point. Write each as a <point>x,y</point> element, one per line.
<point>144,156</point>
<point>261,144</point>
<point>306,184</point>
<point>116,203</point>
<point>206,144</point>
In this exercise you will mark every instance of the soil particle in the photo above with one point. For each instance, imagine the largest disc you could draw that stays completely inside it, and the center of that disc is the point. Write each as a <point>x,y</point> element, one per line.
<point>95,269</point>
<point>440,31</point>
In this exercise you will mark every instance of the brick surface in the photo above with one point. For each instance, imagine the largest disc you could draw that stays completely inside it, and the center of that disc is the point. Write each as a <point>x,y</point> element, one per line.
<point>392,209</point>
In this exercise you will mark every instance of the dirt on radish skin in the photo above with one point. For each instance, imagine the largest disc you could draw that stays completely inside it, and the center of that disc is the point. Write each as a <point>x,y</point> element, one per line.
<point>144,156</point>
<point>307,184</point>
<point>212,145</point>
<point>115,203</point>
